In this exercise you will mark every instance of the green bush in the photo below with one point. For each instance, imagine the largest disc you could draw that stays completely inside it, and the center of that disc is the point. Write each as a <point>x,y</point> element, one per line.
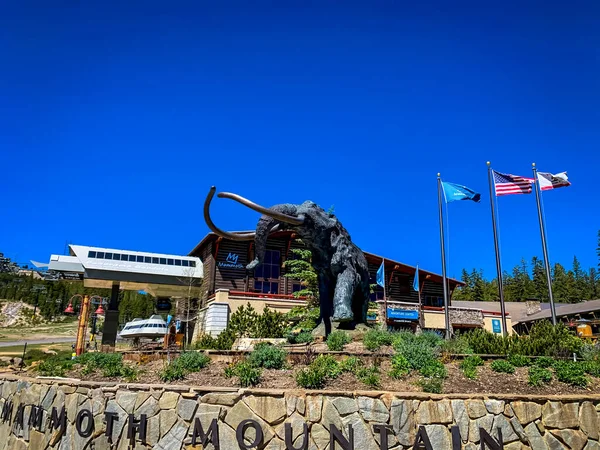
<point>337,340</point>
<point>369,376</point>
<point>171,372</point>
<point>571,372</point>
<point>434,369</point>
<point>431,385</point>
<point>248,374</point>
<point>458,345</point>
<point>327,365</point>
<point>592,367</point>
<point>590,352</point>
<point>110,364</point>
<point>268,356</point>
<point>310,378</point>
<point>469,366</point>
<point>350,364</point>
<point>544,361</point>
<point>375,338</point>
<point>502,366</point>
<point>304,337</point>
<point>519,360</point>
<point>400,367</point>
<point>418,353</point>
<point>539,376</point>
<point>484,342</point>
<point>192,361</point>
<point>52,367</point>
<point>35,355</point>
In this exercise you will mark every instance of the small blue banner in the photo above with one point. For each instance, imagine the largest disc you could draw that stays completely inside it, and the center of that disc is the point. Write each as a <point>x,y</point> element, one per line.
<point>496,327</point>
<point>406,314</point>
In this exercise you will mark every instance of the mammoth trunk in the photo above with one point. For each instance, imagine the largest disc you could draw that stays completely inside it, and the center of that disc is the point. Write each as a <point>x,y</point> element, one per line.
<point>265,224</point>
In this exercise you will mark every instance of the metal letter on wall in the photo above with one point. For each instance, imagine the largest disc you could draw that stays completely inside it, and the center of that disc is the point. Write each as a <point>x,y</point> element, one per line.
<point>240,432</point>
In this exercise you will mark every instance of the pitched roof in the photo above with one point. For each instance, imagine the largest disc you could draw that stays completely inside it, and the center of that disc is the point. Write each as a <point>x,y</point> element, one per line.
<point>565,309</point>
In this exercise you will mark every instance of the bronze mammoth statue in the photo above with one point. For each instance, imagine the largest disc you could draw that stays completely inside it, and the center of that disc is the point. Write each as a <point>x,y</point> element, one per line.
<point>340,265</point>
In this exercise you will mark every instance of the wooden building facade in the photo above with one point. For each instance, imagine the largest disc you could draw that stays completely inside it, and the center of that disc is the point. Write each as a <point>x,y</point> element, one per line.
<point>225,263</point>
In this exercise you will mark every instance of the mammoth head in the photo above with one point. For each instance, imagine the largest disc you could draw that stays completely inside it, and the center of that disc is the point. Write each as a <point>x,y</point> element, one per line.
<point>274,218</point>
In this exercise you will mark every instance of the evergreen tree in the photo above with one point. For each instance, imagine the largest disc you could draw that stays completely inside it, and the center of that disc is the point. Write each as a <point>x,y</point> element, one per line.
<point>540,281</point>
<point>594,284</point>
<point>581,285</point>
<point>562,287</point>
<point>464,292</point>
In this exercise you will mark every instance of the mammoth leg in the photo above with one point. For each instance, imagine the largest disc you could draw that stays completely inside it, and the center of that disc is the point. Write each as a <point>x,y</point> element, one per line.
<point>344,294</point>
<point>325,301</point>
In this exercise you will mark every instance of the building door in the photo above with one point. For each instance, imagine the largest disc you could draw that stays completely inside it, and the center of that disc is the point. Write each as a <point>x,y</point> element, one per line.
<point>266,276</point>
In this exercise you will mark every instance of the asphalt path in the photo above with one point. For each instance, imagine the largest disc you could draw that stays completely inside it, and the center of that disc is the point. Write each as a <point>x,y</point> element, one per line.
<point>56,340</point>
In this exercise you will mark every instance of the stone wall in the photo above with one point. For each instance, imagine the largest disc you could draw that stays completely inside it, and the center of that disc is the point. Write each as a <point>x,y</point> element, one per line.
<point>103,416</point>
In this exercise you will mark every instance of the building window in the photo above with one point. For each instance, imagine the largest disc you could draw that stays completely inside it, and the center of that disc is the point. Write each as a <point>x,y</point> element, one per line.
<point>117,256</point>
<point>266,287</point>
<point>177,262</point>
<point>184,263</point>
<point>433,301</point>
<point>108,256</point>
<point>91,254</point>
<point>147,259</point>
<point>192,263</point>
<point>140,258</point>
<point>163,261</point>
<point>170,262</point>
<point>377,293</point>
<point>296,287</point>
<point>100,255</point>
<point>154,260</point>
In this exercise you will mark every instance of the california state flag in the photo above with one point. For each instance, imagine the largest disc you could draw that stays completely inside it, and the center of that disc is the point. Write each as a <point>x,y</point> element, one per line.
<point>552,181</point>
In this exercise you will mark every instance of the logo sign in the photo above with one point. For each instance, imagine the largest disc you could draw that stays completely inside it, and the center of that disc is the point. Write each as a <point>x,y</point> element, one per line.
<point>402,314</point>
<point>231,262</point>
<point>496,328</point>
<point>163,304</point>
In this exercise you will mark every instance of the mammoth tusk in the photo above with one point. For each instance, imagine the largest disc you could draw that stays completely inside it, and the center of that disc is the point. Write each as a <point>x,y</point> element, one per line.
<point>261,209</point>
<point>217,230</point>
<point>225,234</point>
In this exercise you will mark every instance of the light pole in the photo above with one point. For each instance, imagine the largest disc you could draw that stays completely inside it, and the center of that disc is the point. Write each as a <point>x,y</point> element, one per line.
<point>37,289</point>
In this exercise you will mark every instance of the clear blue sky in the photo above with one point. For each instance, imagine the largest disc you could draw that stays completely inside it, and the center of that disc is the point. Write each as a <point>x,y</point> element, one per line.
<point>115,120</point>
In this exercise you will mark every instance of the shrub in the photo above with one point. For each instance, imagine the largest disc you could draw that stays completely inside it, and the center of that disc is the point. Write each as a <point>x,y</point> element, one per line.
<point>484,342</point>
<point>375,338</point>
<point>247,374</point>
<point>519,360</point>
<point>539,376</point>
<point>350,364</point>
<point>434,369</point>
<point>590,352</point>
<point>304,337</point>
<point>418,353</point>
<point>431,385</point>
<point>400,367</point>
<point>52,367</point>
<point>571,373</point>
<point>327,365</point>
<point>592,368</point>
<point>192,361</point>
<point>469,366</point>
<point>458,345</point>
<point>171,372</point>
<point>35,355</point>
<point>544,362</point>
<point>268,356</point>
<point>337,340</point>
<point>502,366</point>
<point>205,342</point>
<point>310,378</point>
<point>369,376</point>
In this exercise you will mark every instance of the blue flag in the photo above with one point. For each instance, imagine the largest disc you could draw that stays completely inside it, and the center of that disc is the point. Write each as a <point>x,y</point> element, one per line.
<point>453,192</point>
<point>381,276</point>
<point>416,280</point>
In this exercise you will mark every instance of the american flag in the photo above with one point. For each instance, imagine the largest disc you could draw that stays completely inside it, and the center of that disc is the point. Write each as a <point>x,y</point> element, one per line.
<point>507,184</point>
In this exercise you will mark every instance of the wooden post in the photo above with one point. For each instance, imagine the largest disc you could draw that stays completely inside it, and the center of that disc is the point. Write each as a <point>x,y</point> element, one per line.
<point>83,315</point>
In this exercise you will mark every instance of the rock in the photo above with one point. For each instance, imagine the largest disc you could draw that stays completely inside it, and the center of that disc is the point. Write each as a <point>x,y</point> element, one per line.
<point>153,432</point>
<point>526,412</point>
<point>220,399</point>
<point>290,403</point>
<point>227,438</point>
<point>271,409</point>
<point>71,404</point>
<point>49,398</point>
<point>540,426</point>
<point>508,411</point>
<point>301,405</point>
<point>470,446</point>
<point>439,436</point>
<point>149,407</point>
<point>363,437</point>
<point>241,412</point>
<point>476,409</point>
<point>168,400</point>
<point>392,440</point>
<point>518,429</point>
<point>502,423</point>
<point>552,443</point>
<point>373,410</point>
<point>330,415</point>
<point>36,440</point>
<point>206,414</point>
<point>402,419</point>
<point>494,406</point>
<point>588,420</point>
<point>345,405</point>
<point>275,444</point>
<point>592,445</point>
<point>560,415</point>
<point>575,439</point>
<point>459,411</point>
<point>174,438</point>
<point>314,404</point>
<point>320,436</point>
<point>484,422</point>
<point>141,398</point>
<point>126,400</point>
<point>168,417</point>
<point>186,408</point>
<point>438,411</point>
<point>113,407</point>
<point>513,446</point>
<point>296,422</point>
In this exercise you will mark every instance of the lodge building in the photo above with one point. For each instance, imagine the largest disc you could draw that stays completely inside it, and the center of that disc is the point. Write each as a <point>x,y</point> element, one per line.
<point>227,285</point>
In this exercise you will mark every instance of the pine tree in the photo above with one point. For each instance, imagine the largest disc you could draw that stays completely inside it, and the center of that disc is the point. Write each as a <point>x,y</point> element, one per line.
<point>581,286</point>
<point>562,288</point>
<point>540,281</point>
<point>464,292</point>
<point>594,286</point>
